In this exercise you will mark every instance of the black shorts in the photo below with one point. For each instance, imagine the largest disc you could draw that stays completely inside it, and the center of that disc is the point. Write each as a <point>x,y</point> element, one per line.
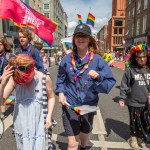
<point>75,123</point>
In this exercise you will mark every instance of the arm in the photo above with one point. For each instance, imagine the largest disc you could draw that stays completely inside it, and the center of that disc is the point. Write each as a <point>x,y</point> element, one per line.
<point>51,101</point>
<point>60,84</point>
<point>64,47</point>
<point>39,61</point>
<point>125,84</point>
<point>7,84</point>
<point>106,81</point>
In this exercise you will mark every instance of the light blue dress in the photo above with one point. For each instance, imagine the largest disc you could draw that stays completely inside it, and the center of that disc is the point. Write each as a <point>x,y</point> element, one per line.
<point>28,118</point>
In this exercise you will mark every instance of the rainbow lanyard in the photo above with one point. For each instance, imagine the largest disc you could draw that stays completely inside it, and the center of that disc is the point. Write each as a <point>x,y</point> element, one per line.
<point>79,69</point>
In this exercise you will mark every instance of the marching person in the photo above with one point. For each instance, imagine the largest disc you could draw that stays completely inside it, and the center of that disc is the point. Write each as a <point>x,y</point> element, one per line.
<point>5,55</point>
<point>46,61</point>
<point>134,93</point>
<point>25,38</point>
<point>82,75</point>
<point>30,123</point>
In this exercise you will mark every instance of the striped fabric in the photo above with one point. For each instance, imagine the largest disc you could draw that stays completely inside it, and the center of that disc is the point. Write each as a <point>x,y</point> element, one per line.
<point>45,111</point>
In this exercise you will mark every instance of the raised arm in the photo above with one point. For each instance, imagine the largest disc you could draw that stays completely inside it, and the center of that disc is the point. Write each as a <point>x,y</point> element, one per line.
<point>7,84</point>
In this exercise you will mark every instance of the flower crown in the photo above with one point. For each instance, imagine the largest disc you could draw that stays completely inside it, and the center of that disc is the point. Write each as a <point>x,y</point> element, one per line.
<point>141,47</point>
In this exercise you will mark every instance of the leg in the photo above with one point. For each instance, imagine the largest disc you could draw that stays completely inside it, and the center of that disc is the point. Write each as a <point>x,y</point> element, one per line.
<point>84,139</point>
<point>3,109</point>
<point>73,142</point>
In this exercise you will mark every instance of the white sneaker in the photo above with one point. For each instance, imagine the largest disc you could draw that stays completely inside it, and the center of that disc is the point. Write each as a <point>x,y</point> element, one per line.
<point>133,143</point>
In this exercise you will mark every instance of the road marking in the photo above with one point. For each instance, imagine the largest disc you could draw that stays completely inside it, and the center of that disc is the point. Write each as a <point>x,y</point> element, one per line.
<point>98,144</point>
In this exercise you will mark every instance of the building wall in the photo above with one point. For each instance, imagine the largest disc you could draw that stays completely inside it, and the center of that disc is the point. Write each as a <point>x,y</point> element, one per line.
<point>148,23</point>
<point>137,22</point>
<point>118,24</point>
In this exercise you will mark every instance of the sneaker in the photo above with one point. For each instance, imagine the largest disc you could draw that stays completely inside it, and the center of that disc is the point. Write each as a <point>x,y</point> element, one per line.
<point>133,143</point>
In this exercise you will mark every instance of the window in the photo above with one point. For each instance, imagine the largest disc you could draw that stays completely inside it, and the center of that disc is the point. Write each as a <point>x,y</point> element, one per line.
<point>133,11</point>
<point>46,6</point>
<point>129,1</point>
<point>118,22</point>
<point>138,6</point>
<point>138,27</point>
<point>115,31</point>
<point>129,14</point>
<point>145,4</point>
<point>132,30</point>
<point>144,23</point>
<point>120,30</point>
<point>47,15</point>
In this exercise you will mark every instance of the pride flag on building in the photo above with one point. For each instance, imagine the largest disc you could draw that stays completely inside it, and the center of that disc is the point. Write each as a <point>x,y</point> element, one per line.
<point>24,16</point>
<point>90,20</point>
<point>79,19</point>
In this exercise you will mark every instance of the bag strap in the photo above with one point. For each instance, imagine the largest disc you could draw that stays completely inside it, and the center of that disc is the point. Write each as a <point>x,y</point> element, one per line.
<point>45,111</point>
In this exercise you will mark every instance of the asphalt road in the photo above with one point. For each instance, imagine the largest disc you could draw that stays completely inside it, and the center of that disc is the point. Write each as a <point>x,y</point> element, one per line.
<point>115,120</point>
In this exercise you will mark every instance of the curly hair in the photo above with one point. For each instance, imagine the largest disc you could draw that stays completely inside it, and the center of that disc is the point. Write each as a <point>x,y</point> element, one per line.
<point>133,58</point>
<point>22,60</point>
<point>26,33</point>
<point>6,44</point>
<point>93,46</point>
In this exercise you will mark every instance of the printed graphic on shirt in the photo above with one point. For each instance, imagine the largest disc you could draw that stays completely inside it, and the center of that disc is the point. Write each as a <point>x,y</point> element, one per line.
<point>141,80</point>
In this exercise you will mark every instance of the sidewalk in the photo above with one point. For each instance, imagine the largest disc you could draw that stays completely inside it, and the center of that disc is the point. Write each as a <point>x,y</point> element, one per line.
<point>119,64</point>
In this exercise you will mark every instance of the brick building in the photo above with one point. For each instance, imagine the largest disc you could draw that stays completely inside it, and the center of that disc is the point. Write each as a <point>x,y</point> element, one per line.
<point>137,22</point>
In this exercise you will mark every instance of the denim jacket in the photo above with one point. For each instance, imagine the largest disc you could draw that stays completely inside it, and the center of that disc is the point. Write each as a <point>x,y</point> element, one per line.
<point>90,87</point>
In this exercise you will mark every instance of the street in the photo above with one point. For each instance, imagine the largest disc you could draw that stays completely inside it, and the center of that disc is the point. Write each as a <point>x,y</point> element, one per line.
<point>110,129</point>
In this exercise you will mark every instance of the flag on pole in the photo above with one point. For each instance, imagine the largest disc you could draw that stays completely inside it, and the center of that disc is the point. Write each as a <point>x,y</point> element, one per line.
<point>90,20</point>
<point>79,19</point>
<point>24,16</point>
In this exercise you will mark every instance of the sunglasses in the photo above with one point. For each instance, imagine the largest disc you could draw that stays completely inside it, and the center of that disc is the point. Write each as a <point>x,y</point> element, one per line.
<point>21,68</point>
<point>81,36</point>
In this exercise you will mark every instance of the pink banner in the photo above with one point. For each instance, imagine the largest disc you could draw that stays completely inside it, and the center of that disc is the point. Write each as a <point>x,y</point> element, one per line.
<point>24,16</point>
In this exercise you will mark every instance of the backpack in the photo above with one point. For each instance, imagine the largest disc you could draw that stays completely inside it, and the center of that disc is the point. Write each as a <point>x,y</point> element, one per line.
<point>18,51</point>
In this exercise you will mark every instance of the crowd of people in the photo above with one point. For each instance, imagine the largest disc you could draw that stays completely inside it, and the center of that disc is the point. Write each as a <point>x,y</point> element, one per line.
<point>83,73</point>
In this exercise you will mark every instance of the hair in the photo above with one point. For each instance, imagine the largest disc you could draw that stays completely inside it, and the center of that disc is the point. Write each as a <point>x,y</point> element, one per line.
<point>6,44</point>
<point>22,60</point>
<point>93,46</point>
<point>26,33</point>
<point>133,58</point>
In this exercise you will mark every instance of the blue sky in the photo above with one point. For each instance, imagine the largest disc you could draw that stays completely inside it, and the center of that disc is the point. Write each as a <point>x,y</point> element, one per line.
<point>101,9</point>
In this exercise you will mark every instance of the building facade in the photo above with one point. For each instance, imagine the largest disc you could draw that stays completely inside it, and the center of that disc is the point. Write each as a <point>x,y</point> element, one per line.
<point>117,25</point>
<point>50,8</point>
<point>101,36</point>
<point>137,28</point>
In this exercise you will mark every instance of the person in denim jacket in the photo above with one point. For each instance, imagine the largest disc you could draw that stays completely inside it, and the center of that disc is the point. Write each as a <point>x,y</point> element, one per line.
<point>25,38</point>
<point>83,74</point>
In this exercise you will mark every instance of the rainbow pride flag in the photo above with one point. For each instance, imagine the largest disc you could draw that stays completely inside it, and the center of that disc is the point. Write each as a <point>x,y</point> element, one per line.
<point>84,109</point>
<point>9,100</point>
<point>79,19</point>
<point>90,20</point>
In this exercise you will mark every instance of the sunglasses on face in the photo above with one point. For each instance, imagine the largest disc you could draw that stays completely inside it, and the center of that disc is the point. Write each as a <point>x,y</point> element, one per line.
<point>21,68</point>
<point>81,36</point>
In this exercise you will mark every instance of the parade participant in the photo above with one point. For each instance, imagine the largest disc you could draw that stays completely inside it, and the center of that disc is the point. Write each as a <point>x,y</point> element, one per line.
<point>65,50</point>
<point>46,61</point>
<point>82,75</point>
<point>108,57</point>
<point>28,118</point>
<point>5,55</point>
<point>25,38</point>
<point>134,93</point>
